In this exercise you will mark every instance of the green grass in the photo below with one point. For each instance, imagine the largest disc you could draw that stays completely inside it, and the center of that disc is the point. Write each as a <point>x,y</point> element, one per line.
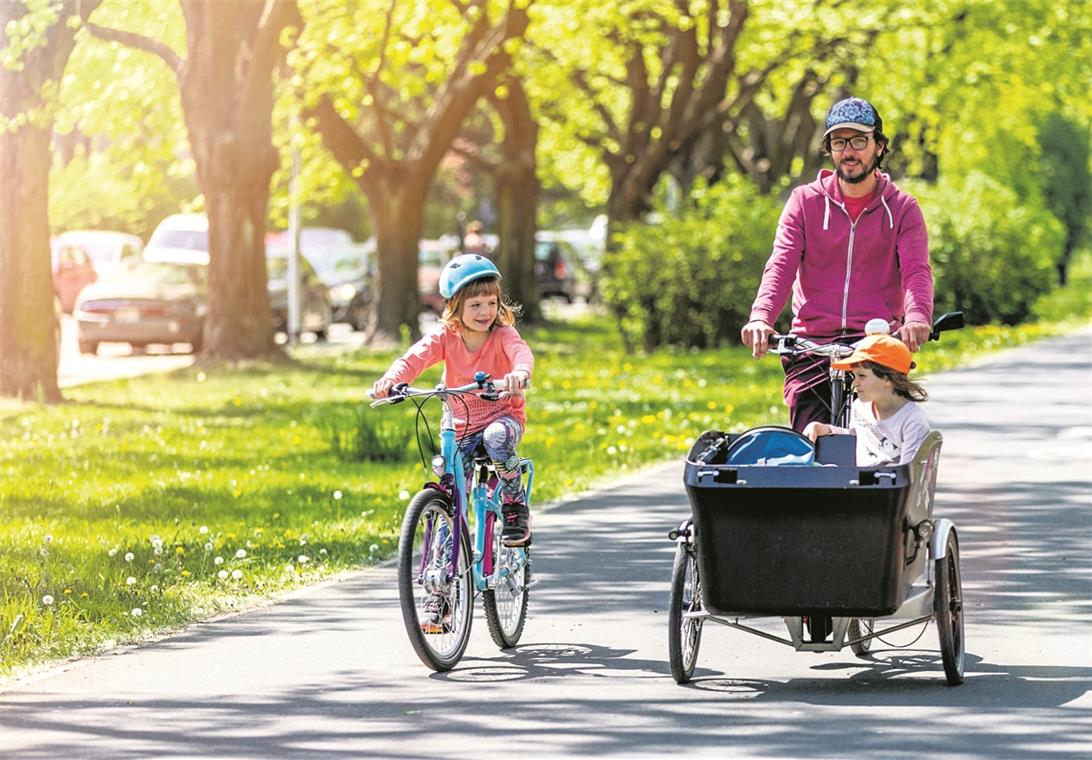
<point>143,504</point>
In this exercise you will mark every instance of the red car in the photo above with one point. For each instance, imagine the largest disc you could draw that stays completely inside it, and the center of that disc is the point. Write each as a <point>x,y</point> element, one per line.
<point>72,271</point>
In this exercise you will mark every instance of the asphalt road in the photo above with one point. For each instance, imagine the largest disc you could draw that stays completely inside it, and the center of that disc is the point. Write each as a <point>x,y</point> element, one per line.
<point>328,670</point>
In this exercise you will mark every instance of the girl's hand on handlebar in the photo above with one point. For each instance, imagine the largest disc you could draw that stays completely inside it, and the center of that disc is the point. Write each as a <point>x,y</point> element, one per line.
<point>914,334</point>
<point>756,335</point>
<point>816,429</point>
<point>514,382</point>
<point>382,388</point>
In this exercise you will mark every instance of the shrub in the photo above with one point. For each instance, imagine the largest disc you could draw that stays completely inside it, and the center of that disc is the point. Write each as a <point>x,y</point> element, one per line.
<point>690,280</point>
<point>370,439</point>
<point>992,258</point>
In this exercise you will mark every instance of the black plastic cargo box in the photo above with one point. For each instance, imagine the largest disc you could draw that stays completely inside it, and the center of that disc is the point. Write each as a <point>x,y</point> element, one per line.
<point>828,538</point>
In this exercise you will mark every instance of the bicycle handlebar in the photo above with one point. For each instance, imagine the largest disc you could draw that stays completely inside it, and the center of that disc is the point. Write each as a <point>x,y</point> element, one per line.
<point>482,386</point>
<point>796,344</point>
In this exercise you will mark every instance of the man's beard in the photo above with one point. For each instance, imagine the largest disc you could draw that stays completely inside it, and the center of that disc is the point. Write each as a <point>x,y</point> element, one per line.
<point>862,176</point>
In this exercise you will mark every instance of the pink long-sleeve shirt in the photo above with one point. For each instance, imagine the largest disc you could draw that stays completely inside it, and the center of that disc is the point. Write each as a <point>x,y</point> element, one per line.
<point>843,273</point>
<point>504,351</point>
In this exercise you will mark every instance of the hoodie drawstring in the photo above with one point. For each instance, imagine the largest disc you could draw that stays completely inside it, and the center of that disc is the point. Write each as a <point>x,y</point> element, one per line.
<point>826,212</point>
<point>890,219</point>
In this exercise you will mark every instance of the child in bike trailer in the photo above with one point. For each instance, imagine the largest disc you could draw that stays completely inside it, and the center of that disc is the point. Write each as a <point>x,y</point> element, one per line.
<point>887,422</point>
<point>476,333</point>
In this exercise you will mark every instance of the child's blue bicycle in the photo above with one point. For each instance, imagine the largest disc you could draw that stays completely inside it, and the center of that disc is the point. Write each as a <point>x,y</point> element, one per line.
<point>438,576</point>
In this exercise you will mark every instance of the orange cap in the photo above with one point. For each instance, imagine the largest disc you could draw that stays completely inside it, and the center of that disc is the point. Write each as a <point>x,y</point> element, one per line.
<point>884,350</point>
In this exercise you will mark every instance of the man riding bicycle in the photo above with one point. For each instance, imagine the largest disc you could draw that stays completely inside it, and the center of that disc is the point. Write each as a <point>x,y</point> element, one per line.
<point>851,246</point>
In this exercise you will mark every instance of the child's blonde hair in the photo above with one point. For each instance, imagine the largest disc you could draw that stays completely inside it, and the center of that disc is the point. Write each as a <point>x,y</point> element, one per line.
<point>486,286</point>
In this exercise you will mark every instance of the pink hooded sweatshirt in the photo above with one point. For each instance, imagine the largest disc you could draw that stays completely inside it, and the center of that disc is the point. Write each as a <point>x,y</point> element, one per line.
<point>843,274</point>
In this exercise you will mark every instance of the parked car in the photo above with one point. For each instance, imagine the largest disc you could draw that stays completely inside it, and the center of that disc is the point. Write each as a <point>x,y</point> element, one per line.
<point>144,303</point>
<point>555,268</point>
<point>107,249</point>
<point>73,270</point>
<point>315,311</point>
<point>344,266</point>
<point>180,238</point>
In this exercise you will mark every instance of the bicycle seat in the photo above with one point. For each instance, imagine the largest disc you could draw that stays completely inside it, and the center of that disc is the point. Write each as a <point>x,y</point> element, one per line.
<point>771,445</point>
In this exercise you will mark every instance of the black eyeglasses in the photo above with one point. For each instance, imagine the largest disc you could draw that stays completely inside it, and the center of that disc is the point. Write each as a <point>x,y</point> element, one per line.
<point>860,142</point>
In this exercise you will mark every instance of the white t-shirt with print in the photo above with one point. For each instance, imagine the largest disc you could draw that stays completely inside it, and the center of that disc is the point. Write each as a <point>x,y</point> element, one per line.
<point>894,440</point>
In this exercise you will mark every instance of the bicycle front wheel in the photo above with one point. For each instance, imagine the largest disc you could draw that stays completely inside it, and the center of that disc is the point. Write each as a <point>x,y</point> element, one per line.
<point>683,633</point>
<point>505,602</point>
<point>436,608</point>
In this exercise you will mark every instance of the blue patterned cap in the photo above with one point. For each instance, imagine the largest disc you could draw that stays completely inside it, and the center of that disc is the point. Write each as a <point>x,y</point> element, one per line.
<point>852,113</point>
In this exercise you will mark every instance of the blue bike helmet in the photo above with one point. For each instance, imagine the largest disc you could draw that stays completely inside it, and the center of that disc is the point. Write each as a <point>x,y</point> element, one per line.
<point>463,269</point>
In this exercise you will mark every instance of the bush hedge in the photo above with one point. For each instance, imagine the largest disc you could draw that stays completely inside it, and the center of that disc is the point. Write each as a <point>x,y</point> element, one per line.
<point>690,280</point>
<point>992,257</point>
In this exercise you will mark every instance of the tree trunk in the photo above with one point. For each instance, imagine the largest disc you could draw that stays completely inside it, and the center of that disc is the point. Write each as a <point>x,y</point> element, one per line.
<point>227,98</point>
<point>28,353</point>
<point>398,214</point>
<point>517,189</point>
<point>28,324</point>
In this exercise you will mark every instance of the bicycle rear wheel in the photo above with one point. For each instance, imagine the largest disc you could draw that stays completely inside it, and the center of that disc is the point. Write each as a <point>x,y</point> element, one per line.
<point>424,563</point>
<point>506,602</point>
<point>948,609</point>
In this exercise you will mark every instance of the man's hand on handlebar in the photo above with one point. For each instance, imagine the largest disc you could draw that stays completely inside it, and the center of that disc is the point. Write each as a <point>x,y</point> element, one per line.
<point>756,336</point>
<point>914,334</point>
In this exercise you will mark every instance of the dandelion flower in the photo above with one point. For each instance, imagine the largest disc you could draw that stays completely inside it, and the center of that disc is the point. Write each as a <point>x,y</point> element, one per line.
<point>47,600</point>
<point>403,495</point>
<point>136,612</point>
<point>112,553</point>
<point>218,561</point>
<point>303,559</point>
<point>130,581</point>
<point>222,574</point>
<point>208,547</point>
<point>236,574</point>
<point>203,529</point>
<point>290,568</point>
<point>179,550</point>
<point>322,552</point>
<point>201,377</point>
<point>154,589</point>
<point>241,554</point>
<point>49,539</point>
<point>373,548</point>
<point>158,551</point>
<point>129,556</point>
<point>337,495</point>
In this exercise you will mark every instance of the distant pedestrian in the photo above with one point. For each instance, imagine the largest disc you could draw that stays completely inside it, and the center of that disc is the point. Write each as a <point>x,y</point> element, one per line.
<point>474,242</point>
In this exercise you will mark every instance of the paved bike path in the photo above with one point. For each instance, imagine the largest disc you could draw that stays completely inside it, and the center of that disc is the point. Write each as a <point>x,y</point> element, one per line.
<point>328,671</point>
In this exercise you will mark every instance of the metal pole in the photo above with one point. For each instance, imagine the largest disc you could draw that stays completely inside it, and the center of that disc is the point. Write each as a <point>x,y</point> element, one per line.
<point>293,270</point>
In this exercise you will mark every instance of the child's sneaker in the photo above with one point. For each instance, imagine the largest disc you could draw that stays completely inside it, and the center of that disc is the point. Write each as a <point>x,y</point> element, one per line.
<point>437,614</point>
<point>517,524</point>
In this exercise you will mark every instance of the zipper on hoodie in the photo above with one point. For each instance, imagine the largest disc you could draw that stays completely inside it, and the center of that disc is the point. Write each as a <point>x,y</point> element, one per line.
<point>849,260</point>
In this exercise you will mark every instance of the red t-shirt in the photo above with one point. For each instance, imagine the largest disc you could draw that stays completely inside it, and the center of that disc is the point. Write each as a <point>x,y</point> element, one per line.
<point>854,206</point>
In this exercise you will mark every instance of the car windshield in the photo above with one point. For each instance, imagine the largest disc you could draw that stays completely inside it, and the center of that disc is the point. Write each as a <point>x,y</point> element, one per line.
<point>101,250</point>
<point>337,262</point>
<point>162,274</point>
<point>193,240</point>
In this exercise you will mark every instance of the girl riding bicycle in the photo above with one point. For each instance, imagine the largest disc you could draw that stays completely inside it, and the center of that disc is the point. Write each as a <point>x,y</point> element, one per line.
<point>476,333</point>
<point>887,422</point>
